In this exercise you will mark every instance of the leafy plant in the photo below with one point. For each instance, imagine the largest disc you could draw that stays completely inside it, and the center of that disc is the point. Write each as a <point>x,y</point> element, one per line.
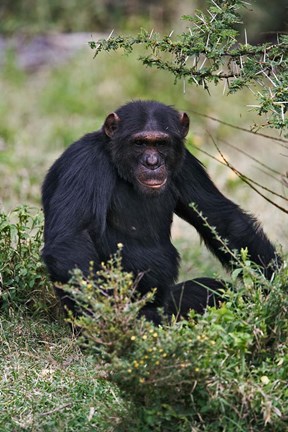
<point>110,307</point>
<point>22,275</point>
<point>225,370</point>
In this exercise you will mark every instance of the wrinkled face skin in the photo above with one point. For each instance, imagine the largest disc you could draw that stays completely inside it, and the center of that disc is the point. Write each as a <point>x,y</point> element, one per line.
<point>147,155</point>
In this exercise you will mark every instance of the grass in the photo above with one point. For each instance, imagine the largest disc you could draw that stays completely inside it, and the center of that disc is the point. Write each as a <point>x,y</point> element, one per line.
<point>47,383</point>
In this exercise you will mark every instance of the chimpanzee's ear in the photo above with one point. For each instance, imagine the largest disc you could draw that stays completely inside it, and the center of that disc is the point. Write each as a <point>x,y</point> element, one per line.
<point>184,121</point>
<point>111,124</point>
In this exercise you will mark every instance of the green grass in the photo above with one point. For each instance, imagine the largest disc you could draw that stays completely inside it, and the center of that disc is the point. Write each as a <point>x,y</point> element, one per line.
<point>48,384</point>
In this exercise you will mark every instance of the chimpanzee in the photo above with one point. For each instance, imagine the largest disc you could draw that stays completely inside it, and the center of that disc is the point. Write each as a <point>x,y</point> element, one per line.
<point>122,184</point>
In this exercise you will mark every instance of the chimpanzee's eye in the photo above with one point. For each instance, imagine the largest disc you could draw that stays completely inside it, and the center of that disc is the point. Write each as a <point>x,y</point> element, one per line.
<point>139,143</point>
<point>161,144</point>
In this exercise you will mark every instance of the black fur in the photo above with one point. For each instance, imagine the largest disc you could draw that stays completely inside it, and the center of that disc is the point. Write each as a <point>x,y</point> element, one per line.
<point>93,200</point>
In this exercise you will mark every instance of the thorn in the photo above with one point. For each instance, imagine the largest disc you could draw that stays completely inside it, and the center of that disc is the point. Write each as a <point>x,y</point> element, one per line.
<point>252,91</point>
<point>267,76</point>
<point>205,59</point>
<point>245,36</point>
<point>201,18</point>
<point>198,27</point>
<point>194,79</point>
<point>110,35</point>
<point>212,16</point>
<point>275,76</point>
<point>241,62</point>
<point>215,4</point>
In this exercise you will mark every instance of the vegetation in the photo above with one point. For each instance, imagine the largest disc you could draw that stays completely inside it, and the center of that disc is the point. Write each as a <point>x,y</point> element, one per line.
<point>22,273</point>
<point>47,383</point>
<point>225,369</point>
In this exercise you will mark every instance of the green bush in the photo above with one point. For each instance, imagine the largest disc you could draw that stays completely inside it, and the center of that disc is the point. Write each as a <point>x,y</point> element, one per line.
<point>22,275</point>
<point>225,370</point>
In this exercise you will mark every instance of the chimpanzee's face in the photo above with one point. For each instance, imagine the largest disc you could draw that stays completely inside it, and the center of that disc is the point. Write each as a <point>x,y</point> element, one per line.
<point>153,160</point>
<point>147,149</point>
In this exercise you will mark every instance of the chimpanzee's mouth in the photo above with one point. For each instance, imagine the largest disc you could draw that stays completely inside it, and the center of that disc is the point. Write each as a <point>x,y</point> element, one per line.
<point>153,183</point>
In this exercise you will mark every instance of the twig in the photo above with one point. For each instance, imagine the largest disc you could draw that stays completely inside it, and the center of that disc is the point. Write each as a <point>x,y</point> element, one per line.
<point>59,408</point>
<point>279,140</point>
<point>250,182</point>
<point>251,157</point>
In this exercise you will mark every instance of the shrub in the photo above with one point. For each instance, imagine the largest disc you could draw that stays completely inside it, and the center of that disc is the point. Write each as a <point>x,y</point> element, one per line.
<point>22,275</point>
<point>225,370</point>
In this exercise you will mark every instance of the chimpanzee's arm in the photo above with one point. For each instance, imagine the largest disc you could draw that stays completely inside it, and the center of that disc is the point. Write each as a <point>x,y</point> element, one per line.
<point>76,194</point>
<point>231,223</point>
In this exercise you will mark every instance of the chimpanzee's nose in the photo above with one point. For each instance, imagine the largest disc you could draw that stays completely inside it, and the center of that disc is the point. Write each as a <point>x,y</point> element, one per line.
<point>152,160</point>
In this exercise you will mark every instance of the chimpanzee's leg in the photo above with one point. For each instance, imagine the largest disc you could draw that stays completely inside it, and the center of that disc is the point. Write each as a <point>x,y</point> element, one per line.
<point>194,294</point>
